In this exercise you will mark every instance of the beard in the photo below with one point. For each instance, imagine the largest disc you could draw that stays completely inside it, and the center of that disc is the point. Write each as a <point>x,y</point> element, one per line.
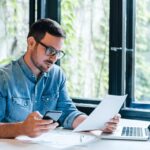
<point>39,64</point>
<point>44,66</point>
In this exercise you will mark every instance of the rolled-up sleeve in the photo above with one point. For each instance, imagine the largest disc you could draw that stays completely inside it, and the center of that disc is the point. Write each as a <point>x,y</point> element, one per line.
<point>66,105</point>
<point>70,118</point>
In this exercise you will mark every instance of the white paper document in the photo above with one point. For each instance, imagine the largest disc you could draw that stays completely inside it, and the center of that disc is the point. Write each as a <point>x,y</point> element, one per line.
<point>106,110</point>
<point>60,138</point>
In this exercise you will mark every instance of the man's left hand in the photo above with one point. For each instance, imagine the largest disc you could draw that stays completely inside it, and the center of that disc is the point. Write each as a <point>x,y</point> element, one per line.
<point>112,124</point>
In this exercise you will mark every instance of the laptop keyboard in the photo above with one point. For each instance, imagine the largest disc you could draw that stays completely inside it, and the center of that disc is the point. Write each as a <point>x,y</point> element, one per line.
<point>134,131</point>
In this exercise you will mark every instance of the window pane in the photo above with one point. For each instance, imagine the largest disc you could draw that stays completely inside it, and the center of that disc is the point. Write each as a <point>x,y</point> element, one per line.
<point>86,62</point>
<point>142,87</point>
<point>13,27</point>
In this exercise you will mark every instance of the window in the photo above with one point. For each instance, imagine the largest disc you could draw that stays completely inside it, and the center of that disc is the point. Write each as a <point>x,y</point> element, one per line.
<point>14,28</point>
<point>137,72</point>
<point>86,23</point>
<point>142,54</point>
<point>103,53</point>
<point>128,22</point>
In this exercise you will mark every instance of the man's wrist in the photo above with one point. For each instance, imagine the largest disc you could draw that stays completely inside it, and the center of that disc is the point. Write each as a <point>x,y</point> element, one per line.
<point>11,130</point>
<point>78,120</point>
<point>19,129</point>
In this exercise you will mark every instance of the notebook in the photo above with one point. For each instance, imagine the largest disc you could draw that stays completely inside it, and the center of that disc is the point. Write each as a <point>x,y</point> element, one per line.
<point>128,133</point>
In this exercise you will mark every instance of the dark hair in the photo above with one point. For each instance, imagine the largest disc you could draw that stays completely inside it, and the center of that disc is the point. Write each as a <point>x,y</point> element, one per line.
<point>39,29</point>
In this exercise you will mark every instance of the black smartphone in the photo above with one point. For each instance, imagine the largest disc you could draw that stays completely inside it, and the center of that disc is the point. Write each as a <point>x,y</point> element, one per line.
<point>52,114</point>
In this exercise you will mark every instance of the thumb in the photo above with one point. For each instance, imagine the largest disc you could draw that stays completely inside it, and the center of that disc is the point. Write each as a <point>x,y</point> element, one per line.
<point>36,115</point>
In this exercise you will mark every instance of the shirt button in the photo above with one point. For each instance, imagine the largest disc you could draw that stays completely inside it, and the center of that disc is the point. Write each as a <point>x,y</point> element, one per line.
<point>25,104</point>
<point>47,99</point>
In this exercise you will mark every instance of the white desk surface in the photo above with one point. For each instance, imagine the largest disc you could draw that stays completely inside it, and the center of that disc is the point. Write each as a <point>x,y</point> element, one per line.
<point>96,144</point>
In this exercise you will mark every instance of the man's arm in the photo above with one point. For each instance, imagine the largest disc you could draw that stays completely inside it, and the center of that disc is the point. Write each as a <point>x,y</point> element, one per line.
<point>78,120</point>
<point>109,127</point>
<point>33,126</point>
<point>10,130</point>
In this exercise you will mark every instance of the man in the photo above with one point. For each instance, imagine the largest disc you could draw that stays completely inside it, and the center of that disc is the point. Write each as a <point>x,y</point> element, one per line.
<point>33,85</point>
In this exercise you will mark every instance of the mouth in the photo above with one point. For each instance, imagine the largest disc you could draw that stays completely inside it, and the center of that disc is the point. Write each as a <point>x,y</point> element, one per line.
<point>49,62</point>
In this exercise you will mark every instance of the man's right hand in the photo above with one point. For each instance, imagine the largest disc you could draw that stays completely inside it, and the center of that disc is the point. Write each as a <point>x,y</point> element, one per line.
<point>34,125</point>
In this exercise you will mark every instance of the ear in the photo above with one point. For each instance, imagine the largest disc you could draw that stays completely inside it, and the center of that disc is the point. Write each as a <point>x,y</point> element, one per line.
<point>31,42</point>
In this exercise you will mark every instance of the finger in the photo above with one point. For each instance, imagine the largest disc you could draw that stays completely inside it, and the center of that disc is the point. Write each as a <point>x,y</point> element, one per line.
<point>45,128</point>
<point>49,126</point>
<point>118,116</point>
<point>113,121</point>
<point>116,119</point>
<point>110,128</point>
<point>36,115</point>
<point>44,122</point>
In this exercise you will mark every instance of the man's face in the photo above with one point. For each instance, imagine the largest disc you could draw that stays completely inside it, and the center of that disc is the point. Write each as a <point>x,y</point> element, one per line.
<point>39,58</point>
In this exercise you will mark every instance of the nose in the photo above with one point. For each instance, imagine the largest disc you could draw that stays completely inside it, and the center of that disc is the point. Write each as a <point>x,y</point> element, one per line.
<point>53,58</point>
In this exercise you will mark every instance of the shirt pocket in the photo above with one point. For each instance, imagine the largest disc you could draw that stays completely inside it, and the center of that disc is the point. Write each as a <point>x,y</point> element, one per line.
<point>21,102</point>
<point>49,102</point>
<point>20,108</point>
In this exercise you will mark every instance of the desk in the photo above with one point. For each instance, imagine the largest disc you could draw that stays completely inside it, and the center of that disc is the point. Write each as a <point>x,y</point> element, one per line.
<point>97,144</point>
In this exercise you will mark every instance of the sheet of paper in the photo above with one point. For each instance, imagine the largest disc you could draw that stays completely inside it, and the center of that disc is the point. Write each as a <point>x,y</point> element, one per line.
<point>106,110</point>
<point>60,138</point>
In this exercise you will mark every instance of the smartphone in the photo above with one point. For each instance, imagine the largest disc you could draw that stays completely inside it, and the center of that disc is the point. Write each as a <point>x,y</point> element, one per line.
<point>52,114</point>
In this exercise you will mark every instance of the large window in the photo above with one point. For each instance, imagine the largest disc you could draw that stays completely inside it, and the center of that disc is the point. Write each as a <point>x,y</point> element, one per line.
<point>107,45</point>
<point>142,86</point>
<point>129,60</point>
<point>86,23</point>
<point>14,28</point>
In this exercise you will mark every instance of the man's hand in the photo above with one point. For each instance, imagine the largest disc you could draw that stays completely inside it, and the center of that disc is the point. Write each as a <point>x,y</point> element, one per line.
<point>112,124</point>
<point>34,125</point>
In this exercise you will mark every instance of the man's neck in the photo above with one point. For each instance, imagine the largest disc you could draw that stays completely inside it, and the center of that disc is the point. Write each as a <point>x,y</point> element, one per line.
<point>28,61</point>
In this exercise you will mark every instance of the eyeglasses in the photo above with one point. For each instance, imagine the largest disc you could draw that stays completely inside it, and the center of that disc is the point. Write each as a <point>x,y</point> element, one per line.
<point>51,51</point>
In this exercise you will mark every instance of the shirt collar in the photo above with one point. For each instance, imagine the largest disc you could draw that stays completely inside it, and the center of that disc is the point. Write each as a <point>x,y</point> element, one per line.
<point>28,71</point>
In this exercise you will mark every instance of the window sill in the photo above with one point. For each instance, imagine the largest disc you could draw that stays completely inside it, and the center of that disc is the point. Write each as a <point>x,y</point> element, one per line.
<point>135,113</point>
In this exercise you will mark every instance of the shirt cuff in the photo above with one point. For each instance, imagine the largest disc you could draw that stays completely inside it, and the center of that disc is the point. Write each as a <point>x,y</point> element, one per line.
<point>70,118</point>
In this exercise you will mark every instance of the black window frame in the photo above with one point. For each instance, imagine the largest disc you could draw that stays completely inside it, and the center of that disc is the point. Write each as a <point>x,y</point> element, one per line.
<point>130,63</point>
<point>121,51</point>
<point>122,54</point>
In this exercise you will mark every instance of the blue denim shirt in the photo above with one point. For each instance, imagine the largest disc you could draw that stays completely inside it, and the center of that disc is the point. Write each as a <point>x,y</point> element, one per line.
<point>22,93</point>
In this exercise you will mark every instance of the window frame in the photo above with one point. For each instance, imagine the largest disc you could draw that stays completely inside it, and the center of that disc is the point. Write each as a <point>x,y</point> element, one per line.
<point>130,63</point>
<point>121,51</point>
<point>131,109</point>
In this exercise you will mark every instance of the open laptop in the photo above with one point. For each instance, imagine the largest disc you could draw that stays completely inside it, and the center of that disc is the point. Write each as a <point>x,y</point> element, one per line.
<point>128,133</point>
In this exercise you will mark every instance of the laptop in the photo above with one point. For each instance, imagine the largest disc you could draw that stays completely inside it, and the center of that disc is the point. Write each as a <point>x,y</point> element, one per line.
<point>128,133</point>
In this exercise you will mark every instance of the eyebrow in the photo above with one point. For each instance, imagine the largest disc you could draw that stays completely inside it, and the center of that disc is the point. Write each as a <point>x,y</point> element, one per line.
<point>46,45</point>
